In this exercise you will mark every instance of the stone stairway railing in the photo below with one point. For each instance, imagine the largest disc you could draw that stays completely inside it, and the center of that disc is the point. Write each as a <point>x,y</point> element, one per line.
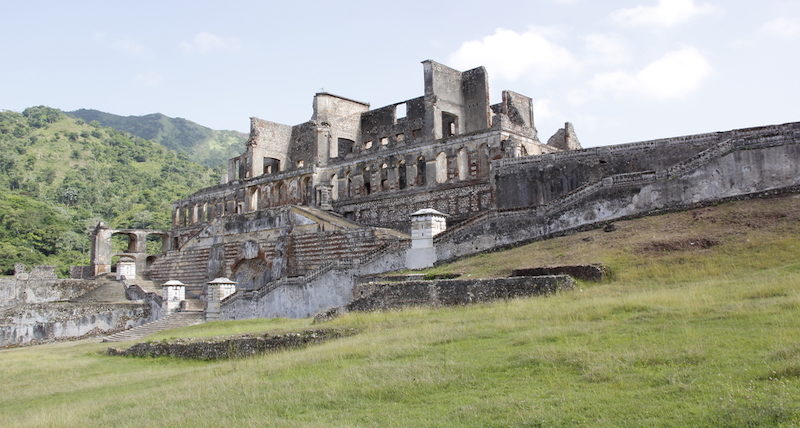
<point>586,191</point>
<point>316,273</point>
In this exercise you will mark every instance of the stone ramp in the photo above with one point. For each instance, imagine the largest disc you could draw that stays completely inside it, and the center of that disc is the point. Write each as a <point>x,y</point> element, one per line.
<point>321,217</point>
<point>108,291</point>
<point>174,320</point>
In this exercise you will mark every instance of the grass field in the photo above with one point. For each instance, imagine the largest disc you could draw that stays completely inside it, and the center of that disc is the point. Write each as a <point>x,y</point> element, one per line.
<point>699,326</point>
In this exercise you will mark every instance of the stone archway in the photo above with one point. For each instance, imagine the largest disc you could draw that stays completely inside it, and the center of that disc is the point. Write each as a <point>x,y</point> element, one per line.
<point>102,251</point>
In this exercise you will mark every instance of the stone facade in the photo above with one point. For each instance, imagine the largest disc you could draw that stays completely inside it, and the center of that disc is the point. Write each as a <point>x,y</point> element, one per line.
<point>308,208</point>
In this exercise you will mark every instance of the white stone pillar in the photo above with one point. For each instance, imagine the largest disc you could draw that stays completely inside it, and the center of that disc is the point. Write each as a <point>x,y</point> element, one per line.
<point>126,269</point>
<point>425,224</point>
<point>173,293</point>
<point>217,290</point>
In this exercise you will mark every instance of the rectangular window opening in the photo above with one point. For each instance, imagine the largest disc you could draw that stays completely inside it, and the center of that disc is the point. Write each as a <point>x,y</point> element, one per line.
<point>399,112</point>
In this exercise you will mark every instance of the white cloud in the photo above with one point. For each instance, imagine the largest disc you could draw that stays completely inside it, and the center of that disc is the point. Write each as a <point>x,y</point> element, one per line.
<point>783,27</point>
<point>674,75</point>
<point>666,13</point>
<point>510,55</point>
<point>204,42</point>
<point>149,79</point>
<point>606,49</point>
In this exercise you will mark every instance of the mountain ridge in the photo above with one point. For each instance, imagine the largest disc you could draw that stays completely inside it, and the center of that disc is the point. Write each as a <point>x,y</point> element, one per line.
<point>60,175</point>
<point>206,146</point>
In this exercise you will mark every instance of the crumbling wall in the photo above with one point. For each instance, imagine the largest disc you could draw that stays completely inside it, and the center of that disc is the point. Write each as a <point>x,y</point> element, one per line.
<point>459,202</point>
<point>304,296</point>
<point>565,138</point>
<point>25,324</point>
<point>751,163</point>
<point>41,286</point>
<point>267,139</point>
<point>537,180</point>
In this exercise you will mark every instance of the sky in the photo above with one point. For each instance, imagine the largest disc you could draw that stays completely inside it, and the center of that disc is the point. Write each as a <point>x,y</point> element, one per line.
<point>620,71</point>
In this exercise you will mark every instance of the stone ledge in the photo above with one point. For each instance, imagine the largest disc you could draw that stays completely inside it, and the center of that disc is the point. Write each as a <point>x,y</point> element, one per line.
<point>591,272</point>
<point>233,347</point>
<point>450,292</point>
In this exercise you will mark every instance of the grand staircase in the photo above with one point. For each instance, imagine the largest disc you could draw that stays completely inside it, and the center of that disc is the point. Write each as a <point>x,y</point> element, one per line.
<point>109,291</point>
<point>174,320</point>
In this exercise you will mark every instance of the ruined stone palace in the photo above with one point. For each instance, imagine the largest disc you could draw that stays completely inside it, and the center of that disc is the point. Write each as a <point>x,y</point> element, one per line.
<point>308,210</point>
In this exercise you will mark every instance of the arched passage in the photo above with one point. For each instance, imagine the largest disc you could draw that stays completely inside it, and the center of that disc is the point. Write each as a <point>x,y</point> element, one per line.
<point>334,187</point>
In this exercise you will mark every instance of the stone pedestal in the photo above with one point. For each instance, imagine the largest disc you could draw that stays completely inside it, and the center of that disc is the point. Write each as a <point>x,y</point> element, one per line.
<point>217,290</point>
<point>173,293</point>
<point>126,269</point>
<point>425,224</point>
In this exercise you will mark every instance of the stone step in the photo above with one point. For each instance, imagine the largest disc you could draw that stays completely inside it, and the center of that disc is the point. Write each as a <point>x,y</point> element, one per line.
<point>107,292</point>
<point>174,320</point>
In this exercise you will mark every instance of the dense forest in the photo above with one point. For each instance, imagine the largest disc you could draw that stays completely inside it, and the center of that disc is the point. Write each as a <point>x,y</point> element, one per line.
<point>200,144</point>
<point>59,176</point>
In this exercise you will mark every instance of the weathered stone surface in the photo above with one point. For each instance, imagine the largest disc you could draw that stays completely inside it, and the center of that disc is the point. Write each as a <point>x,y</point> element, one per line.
<point>565,138</point>
<point>371,297</point>
<point>235,347</point>
<point>38,323</point>
<point>593,272</point>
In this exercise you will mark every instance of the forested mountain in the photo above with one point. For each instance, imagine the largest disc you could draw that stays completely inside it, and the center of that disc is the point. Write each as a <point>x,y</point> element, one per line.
<point>60,175</point>
<point>201,144</point>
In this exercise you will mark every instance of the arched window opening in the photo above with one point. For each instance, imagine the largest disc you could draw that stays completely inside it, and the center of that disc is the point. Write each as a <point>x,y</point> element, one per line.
<point>401,175</point>
<point>385,185</point>
<point>253,198</point>
<point>462,164</point>
<point>441,167</point>
<point>421,171</point>
<point>306,191</point>
<point>367,181</point>
<point>483,161</point>
<point>334,187</point>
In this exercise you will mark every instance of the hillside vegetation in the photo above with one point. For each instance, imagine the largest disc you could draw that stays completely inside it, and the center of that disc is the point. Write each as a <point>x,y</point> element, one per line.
<point>681,335</point>
<point>60,175</point>
<point>200,144</point>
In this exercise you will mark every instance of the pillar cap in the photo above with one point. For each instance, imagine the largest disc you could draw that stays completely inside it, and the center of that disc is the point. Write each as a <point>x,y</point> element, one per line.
<point>173,283</point>
<point>221,281</point>
<point>429,211</point>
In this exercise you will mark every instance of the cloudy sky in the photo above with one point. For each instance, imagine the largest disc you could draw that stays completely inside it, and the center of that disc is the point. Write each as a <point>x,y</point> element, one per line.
<point>621,71</point>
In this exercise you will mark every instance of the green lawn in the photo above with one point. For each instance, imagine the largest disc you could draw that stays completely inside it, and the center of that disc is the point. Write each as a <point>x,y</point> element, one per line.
<point>688,337</point>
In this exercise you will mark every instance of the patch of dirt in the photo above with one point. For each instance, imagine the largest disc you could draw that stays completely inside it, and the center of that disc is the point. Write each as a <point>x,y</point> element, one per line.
<point>679,245</point>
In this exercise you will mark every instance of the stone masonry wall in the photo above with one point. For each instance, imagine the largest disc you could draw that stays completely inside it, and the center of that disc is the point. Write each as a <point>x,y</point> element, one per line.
<point>448,292</point>
<point>756,162</point>
<point>26,324</point>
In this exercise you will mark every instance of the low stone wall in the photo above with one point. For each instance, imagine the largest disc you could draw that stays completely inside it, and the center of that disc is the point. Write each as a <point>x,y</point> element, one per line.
<point>34,290</point>
<point>373,297</point>
<point>595,272</point>
<point>235,347</point>
<point>304,296</point>
<point>37,323</point>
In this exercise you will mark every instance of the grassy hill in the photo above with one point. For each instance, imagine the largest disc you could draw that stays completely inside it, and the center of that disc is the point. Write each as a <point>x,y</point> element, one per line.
<point>60,175</point>
<point>681,335</point>
<point>201,144</point>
